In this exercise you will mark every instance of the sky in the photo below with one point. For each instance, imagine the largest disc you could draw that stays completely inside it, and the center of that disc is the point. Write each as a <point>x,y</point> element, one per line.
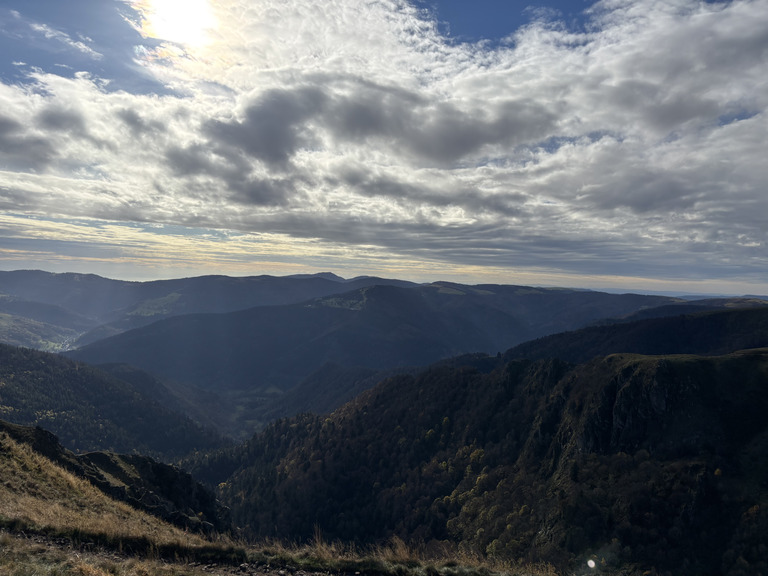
<point>617,144</point>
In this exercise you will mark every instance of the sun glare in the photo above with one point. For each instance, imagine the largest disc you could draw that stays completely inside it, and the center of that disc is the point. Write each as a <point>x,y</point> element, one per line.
<point>186,22</point>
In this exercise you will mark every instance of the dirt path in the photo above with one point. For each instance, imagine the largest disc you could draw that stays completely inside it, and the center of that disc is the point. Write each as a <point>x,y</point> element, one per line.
<point>38,550</point>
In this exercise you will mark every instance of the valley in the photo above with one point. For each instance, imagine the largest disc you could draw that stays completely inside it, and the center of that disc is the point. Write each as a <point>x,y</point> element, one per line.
<point>529,429</point>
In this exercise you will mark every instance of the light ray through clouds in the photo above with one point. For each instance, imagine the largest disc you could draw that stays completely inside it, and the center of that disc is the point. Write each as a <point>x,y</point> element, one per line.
<point>626,152</point>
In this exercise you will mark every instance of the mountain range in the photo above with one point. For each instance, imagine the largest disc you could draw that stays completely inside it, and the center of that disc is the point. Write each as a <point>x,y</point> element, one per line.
<point>251,358</point>
<point>61,311</point>
<point>233,354</point>
<point>652,461</point>
<point>507,422</point>
<point>254,360</point>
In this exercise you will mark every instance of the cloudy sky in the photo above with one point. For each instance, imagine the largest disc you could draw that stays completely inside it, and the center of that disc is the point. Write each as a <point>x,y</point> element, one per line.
<point>612,144</point>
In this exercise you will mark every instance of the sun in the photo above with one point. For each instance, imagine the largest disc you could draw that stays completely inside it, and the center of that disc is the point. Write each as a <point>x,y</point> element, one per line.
<point>185,22</point>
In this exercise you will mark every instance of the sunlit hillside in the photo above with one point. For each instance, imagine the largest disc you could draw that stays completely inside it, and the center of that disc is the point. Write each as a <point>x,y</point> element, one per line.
<point>38,495</point>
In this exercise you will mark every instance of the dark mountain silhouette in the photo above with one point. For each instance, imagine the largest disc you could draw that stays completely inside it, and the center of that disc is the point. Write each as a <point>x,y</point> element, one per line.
<point>657,462</point>
<point>710,332</point>
<point>92,410</point>
<point>251,357</point>
<point>680,308</point>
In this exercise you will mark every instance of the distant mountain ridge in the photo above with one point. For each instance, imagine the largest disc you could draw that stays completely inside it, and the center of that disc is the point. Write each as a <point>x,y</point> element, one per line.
<point>710,332</point>
<point>251,358</point>
<point>108,307</point>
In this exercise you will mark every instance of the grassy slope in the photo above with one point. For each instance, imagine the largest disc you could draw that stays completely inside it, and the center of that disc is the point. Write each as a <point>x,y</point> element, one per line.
<point>54,523</point>
<point>39,496</point>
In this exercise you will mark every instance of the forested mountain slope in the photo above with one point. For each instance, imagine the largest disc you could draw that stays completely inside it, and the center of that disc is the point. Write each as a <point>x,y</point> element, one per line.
<point>251,357</point>
<point>710,332</point>
<point>38,325</point>
<point>52,311</point>
<point>89,409</point>
<point>657,461</point>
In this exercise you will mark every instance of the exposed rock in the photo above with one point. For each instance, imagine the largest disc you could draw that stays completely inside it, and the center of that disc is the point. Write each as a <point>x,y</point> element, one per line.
<point>159,489</point>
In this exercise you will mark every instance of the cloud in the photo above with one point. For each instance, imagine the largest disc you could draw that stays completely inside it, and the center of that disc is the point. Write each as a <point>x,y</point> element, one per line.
<point>435,131</point>
<point>61,120</point>
<point>138,125</point>
<point>65,39</point>
<point>271,130</point>
<point>21,150</point>
<point>633,146</point>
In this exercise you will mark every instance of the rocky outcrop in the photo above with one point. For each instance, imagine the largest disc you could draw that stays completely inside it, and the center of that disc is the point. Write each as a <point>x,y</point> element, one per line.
<point>159,489</point>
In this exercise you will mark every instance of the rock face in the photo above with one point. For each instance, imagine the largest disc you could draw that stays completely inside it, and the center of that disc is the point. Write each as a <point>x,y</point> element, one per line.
<point>659,458</point>
<point>676,407</point>
<point>159,489</point>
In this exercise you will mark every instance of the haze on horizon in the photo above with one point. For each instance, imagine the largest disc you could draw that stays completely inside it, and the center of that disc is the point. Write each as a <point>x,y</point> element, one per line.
<point>615,144</point>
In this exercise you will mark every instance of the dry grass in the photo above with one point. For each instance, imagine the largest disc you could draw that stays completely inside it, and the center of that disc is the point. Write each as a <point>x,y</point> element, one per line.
<point>43,495</point>
<point>38,496</point>
<point>21,557</point>
<point>395,558</point>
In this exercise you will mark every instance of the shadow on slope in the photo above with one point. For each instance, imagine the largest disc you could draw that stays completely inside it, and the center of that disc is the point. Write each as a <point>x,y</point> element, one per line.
<point>712,332</point>
<point>92,410</point>
<point>251,358</point>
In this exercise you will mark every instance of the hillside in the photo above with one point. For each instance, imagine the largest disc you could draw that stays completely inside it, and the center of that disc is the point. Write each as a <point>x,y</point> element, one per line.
<point>709,332</point>
<point>251,358</point>
<point>41,326</point>
<point>41,496</point>
<point>54,311</point>
<point>145,484</point>
<point>68,515</point>
<point>89,409</point>
<point>653,461</point>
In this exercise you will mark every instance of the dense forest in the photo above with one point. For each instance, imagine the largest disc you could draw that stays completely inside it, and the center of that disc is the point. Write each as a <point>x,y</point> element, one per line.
<point>658,461</point>
<point>89,409</point>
